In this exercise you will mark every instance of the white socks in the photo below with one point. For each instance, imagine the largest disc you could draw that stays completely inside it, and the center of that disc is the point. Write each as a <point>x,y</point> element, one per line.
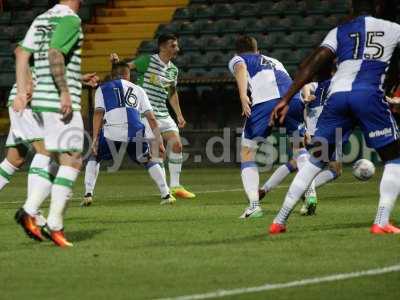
<point>60,194</point>
<point>324,177</point>
<point>91,174</point>
<point>156,173</point>
<point>175,168</point>
<point>251,180</point>
<point>278,176</point>
<point>389,191</point>
<point>39,183</point>
<point>7,170</point>
<point>299,185</point>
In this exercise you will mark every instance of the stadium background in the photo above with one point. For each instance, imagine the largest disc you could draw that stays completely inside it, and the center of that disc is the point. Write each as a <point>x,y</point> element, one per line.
<point>287,30</point>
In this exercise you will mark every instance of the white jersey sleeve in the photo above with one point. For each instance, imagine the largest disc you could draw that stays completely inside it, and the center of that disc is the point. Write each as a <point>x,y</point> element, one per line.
<point>395,30</point>
<point>28,43</point>
<point>144,102</point>
<point>235,60</point>
<point>331,41</point>
<point>99,100</point>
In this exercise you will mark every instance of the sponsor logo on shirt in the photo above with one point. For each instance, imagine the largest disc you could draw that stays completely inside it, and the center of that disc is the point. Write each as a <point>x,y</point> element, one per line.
<point>383,132</point>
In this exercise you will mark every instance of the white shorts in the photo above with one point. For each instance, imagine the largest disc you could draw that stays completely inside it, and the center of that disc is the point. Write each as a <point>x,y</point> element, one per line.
<point>167,124</point>
<point>61,137</point>
<point>24,129</point>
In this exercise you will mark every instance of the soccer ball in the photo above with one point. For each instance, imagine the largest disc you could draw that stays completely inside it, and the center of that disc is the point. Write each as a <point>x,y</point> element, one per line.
<point>363,169</point>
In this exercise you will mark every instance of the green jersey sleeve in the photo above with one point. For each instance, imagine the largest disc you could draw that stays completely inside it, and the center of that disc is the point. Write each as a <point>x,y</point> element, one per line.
<point>142,63</point>
<point>66,33</point>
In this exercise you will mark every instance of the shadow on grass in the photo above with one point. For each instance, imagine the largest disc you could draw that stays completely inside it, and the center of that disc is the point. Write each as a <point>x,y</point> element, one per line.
<point>339,226</point>
<point>82,235</point>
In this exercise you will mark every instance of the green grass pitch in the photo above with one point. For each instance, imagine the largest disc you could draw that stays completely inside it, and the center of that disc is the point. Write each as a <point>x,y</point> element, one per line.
<point>126,246</point>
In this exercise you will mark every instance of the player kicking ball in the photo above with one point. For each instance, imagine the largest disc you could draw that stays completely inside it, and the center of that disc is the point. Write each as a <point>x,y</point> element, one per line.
<point>267,80</point>
<point>117,123</point>
<point>363,47</point>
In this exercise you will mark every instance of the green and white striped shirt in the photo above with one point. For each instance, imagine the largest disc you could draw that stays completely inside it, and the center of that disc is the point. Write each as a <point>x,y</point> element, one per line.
<point>58,28</point>
<point>13,91</point>
<point>157,79</point>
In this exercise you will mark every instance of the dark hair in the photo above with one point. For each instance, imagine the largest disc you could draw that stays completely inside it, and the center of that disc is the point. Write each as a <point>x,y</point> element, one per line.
<point>364,6</point>
<point>246,43</point>
<point>165,38</point>
<point>118,68</point>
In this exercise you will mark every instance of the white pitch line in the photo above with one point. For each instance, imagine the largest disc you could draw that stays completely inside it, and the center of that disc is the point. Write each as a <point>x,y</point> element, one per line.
<point>297,283</point>
<point>199,192</point>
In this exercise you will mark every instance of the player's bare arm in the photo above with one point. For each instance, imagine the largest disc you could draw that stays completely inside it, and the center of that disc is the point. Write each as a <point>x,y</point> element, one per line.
<point>24,79</point>
<point>90,79</point>
<point>321,57</point>
<point>114,58</point>
<point>97,125</point>
<point>57,68</point>
<point>241,81</point>
<point>174,101</point>
<point>151,119</point>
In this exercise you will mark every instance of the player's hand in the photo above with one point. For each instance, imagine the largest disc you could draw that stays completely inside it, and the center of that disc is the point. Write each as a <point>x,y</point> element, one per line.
<point>95,146</point>
<point>90,79</point>
<point>307,139</point>
<point>161,149</point>
<point>309,98</point>
<point>246,106</point>
<point>181,122</point>
<point>20,102</point>
<point>279,113</point>
<point>66,107</point>
<point>394,100</point>
<point>114,58</point>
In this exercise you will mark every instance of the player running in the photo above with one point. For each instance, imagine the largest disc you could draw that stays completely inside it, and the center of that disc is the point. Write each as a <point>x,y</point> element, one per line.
<point>364,47</point>
<point>118,105</point>
<point>54,39</point>
<point>267,80</point>
<point>158,76</point>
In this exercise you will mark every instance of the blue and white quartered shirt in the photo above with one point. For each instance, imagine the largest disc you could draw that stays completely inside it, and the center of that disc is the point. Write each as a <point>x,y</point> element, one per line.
<point>363,47</point>
<point>314,108</point>
<point>267,77</point>
<point>123,103</point>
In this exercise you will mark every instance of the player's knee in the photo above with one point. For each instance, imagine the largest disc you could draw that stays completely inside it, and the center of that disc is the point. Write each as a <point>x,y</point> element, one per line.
<point>247,154</point>
<point>291,165</point>
<point>177,147</point>
<point>73,160</point>
<point>17,162</point>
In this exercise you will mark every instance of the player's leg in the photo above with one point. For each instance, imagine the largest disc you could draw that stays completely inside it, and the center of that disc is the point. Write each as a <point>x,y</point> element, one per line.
<point>15,158</point>
<point>66,142</point>
<point>334,115</point>
<point>16,152</point>
<point>250,180</point>
<point>278,176</point>
<point>389,189</point>
<point>381,133</point>
<point>294,124</point>
<point>332,173</point>
<point>175,158</point>
<point>255,130</point>
<point>39,177</point>
<point>91,173</point>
